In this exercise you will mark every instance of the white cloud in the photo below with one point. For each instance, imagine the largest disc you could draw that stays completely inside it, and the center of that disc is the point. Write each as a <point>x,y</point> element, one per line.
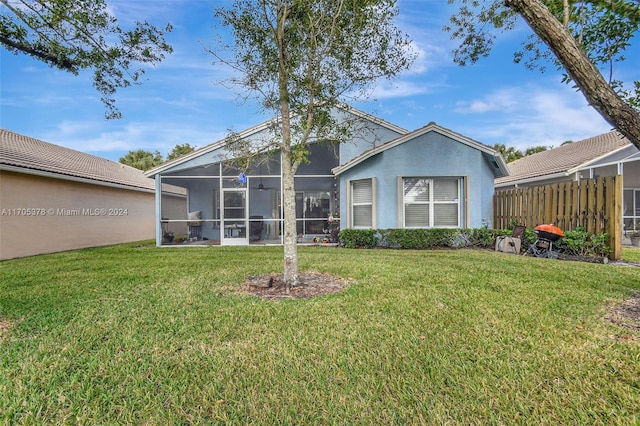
<point>532,115</point>
<point>504,100</point>
<point>103,138</point>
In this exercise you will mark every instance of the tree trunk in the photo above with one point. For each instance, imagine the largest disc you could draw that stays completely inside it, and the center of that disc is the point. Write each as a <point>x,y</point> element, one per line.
<point>290,275</point>
<point>586,76</point>
<point>290,233</point>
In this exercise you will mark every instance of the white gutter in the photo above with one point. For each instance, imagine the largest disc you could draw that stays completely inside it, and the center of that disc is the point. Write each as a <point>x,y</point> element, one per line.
<point>587,164</point>
<point>532,180</point>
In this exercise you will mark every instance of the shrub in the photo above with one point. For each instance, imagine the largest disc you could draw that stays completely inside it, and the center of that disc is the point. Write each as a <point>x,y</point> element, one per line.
<point>418,238</point>
<point>486,238</point>
<point>581,243</point>
<point>358,238</point>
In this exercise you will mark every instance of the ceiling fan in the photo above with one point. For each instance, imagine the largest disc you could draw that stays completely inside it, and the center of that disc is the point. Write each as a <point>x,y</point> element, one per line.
<point>261,186</point>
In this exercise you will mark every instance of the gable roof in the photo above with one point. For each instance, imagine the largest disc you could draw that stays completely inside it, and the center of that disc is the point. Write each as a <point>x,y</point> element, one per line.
<point>23,154</point>
<point>259,128</point>
<point>431,127</point>
<point>563,160</point>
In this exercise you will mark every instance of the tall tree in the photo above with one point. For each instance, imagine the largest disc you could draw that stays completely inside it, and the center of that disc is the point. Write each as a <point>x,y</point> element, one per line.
<point>141,159</point>
<point>535,149</point>
<point>511,154</point>
<point>301,59</point>
<point>180,150</point>
<point>581,35</point>
<point>508,153</point>
<point>74,35</point>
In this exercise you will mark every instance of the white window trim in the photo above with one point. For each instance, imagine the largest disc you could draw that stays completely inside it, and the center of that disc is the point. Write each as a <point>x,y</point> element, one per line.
<point>351,216</point>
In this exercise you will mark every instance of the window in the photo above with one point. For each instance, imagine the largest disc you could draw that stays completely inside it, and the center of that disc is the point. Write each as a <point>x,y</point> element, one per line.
<point>631,210</point>
<point>362,203</point>
<point>431,203</point>
<point>312,211</point>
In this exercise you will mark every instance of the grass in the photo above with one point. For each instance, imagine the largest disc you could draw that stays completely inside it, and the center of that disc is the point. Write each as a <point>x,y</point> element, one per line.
<point>631,254</point>
<point>135,334</point>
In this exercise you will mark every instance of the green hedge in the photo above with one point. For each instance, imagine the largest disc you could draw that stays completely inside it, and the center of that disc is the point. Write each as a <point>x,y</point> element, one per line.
<point>358,238</point>
<point>420,239</point>
<point>576,242</point>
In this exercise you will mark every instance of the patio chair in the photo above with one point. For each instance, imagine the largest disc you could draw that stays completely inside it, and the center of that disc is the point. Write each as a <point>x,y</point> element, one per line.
<point>256,225</point>
<point>511,244</point>
<point>194,225</point>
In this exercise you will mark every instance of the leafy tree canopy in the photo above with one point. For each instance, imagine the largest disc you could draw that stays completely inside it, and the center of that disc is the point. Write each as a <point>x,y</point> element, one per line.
<point>141,159</point>
<point>535,149</point>
<point>302,58</point>
<point>180,150</point>
<point>508,153</point>
<point>74,35</point>
<point>146,160</point>
<point>511,154</point>
<point>585,38</point>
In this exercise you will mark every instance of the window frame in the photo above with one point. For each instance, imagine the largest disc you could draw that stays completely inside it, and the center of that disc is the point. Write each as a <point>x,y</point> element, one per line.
<point>432,202</point>
<point>631,222</point>
<point>370,204</point>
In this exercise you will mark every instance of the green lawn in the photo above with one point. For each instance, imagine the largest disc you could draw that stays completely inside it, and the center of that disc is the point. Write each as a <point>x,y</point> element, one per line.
<point>137,334</point>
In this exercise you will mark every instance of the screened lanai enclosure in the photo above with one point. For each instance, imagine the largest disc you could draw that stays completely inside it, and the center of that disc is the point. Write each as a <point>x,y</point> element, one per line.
<point>232,204</point>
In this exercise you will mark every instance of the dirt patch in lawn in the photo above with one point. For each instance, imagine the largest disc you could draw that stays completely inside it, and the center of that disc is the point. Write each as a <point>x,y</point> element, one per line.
<point>5,326</point>
<point>312,284</point>
<point>626,313</point>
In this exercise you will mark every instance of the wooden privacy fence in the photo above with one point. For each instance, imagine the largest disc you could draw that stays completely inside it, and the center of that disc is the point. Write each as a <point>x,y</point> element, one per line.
<point>595,204</point>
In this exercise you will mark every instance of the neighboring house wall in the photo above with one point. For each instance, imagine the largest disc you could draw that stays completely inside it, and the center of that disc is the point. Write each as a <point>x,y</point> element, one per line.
<point>76,215</point>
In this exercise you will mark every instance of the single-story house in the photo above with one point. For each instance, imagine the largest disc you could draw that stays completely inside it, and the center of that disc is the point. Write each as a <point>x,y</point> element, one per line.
<point>54,198</point>
<point>384,177</point>
<point>609,154</point>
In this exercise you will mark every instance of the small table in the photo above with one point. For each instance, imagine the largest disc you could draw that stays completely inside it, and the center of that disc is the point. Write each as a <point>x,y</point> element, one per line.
<point>235,231</point>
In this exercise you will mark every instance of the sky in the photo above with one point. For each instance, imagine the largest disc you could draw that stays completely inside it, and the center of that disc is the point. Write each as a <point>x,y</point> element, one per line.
<point>182,100</point>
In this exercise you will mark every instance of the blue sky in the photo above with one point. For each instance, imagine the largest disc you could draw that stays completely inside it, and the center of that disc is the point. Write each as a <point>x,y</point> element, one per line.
<point>181,100</point>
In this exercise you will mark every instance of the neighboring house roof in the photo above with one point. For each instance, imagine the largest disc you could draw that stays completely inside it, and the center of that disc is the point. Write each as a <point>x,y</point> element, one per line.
<point>431,127</point>
<point>564,160</point>
<point>23,154</point>
<point>257,129</point>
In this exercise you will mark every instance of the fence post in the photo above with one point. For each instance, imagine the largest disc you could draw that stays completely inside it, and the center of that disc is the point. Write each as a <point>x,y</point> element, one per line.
<point>615,219</point>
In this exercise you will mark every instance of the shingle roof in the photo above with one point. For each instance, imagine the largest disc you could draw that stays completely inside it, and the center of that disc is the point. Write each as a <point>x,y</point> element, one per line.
<point>28,153</point>
<point>564,158</point>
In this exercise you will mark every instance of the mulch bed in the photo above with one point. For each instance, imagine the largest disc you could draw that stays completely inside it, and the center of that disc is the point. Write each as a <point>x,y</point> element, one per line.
<point>312,284</point>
